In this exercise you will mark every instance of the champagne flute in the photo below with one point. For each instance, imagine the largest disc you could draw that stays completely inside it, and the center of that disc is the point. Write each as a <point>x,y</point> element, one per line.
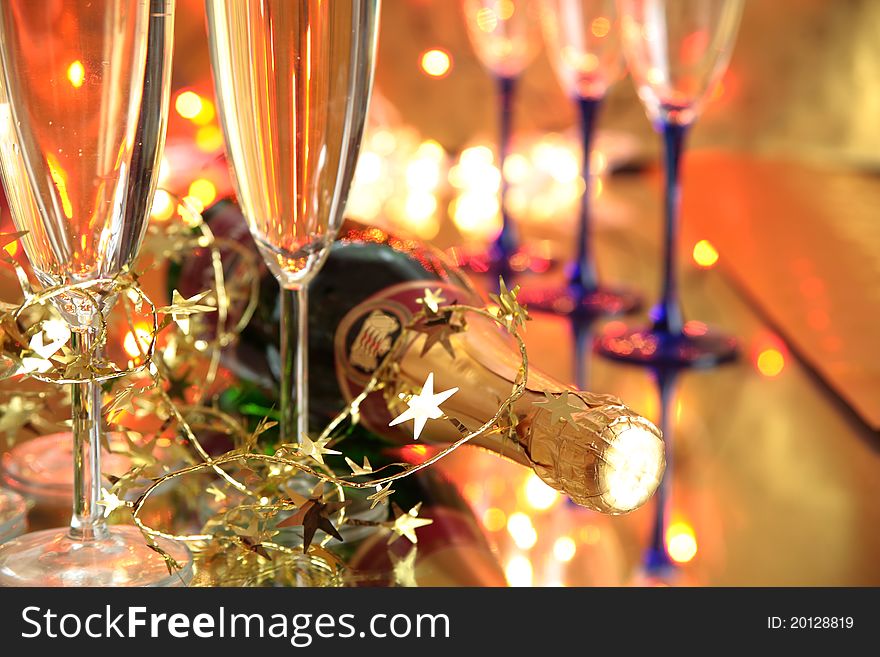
<point>84,102</point>
<point>677,51</point>
<point>505,35</point>
<point>293,82</point>
<point>582,40</point>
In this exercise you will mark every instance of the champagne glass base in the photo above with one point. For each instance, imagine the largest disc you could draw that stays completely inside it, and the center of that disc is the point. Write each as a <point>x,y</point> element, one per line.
<point>13,514</point>
<point>697,347</point>
<point>53,558</point>
<point>570,300</point>
<point>41,469</point>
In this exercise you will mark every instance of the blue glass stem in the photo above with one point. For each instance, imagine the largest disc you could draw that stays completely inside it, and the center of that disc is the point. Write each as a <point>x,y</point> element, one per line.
<point>506,243</point>
<point>584,277</point>
<point>658,558</point>
<point>667,314</point>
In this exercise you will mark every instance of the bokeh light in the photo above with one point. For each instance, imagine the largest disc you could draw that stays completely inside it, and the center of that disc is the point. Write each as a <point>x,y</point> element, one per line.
<point>520,527</point>
<point>770,362</point>
<point>136,342</point>
<point>436,62</point>
<point>519,571</point>
<point>705,254</point>
<point>494,519</point>
<point>539,495</point>
<point>188,104</point>
<point>76,73</point>
<point>564,548</point>
<point>204,190</point>
<point>681,542</point>
<point>163,206</point>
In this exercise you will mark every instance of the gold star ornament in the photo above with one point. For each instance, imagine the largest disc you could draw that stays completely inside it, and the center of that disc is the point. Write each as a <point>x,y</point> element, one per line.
<point>424,406</point>
<point>316,449</point>
<point>560,407</point>
<point>406,524</point>
<point>182,308</point>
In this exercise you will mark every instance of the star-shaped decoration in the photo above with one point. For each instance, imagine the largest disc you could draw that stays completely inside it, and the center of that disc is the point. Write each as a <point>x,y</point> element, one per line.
<point>560,407</point>
<point>436,333</point>
<point>381,495</point>
<point>424,406</point>
<point>432,300</point>
<point>406,524</point>
<point>53,335</point>
<point>314,514</point>
<point>315,448</point>
<point>404,568</point>
<point>509,309</point>
<point>110,502</point>
<point>16,413</point>
<point>218,494</point>
<point>358,470</point>
<point>182,308</point>
<point>31,363</point>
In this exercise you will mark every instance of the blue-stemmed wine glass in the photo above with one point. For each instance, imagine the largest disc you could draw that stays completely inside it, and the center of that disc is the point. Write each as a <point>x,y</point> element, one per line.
<point>582,39</point>
<point>506,36</point>
<point>677,51</point>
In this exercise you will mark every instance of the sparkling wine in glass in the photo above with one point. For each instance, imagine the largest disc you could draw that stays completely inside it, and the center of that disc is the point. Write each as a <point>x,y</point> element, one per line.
<point>677,51</point>
<point>293,82</point>
<point>506,36</point>
<point>582,39</point>
<point>83,105</point>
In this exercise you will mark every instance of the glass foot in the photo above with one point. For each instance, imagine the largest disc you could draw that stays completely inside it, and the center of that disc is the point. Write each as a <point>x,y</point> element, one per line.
<point>42,468</point>
<point>13,514</point>
<point>569,300</point>
<point>696,346</point>
<point>53,558</point>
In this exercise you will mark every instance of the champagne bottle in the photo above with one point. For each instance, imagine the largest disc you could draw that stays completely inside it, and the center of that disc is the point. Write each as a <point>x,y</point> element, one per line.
<point>588,446</point>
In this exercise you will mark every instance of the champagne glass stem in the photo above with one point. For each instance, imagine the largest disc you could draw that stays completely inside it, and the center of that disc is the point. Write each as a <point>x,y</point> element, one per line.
<point>584,277</point>
<point>87,522</point>
<point>294,363</point>
<point>506,242</point>
<point>658,558</point>
<point>667,315</point>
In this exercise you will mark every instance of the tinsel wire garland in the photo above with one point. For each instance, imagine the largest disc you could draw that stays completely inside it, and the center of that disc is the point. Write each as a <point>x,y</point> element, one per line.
<point>171,242</point>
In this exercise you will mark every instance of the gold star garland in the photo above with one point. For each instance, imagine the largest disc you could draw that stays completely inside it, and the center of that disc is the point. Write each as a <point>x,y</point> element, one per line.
<point>258,494</point>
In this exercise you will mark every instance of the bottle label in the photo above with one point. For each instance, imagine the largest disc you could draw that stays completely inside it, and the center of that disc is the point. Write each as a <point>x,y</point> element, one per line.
<point>367,333</point>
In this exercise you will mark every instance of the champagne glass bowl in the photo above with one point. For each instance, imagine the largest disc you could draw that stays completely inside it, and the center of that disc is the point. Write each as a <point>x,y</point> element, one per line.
<point>293,82</point>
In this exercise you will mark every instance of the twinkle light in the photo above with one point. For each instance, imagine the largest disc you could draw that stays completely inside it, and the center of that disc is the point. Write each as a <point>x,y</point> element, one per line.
<point>520,528</point>
<point>519,571</point>
<point>564,548</point>
<point>539,495</point>
<point>436,62</point>
<point>188,104</point>
<point>204,190</point>
<point>770,362</point>
<point>494,519</point>
<point>209,139</point>
<point>705,254</point>
<point>206,112</point>
<point>163,207</point>
<point>681,542</point>
<point>76,74</point>
<point>600,27</point>
<point>136,342</point>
